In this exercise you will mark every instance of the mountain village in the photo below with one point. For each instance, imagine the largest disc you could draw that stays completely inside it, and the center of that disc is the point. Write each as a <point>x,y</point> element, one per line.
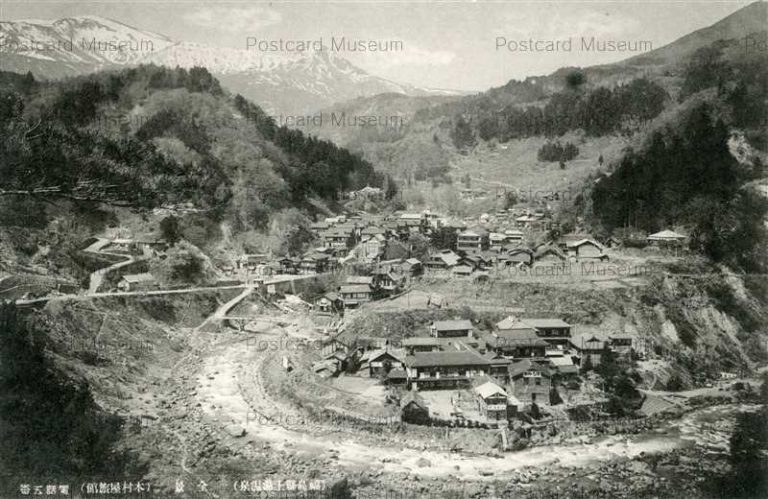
<point>448,372</point>
<point>266,272</point>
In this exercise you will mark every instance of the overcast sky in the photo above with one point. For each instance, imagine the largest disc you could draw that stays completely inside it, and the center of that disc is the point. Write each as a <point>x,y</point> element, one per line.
<point>446,45</point>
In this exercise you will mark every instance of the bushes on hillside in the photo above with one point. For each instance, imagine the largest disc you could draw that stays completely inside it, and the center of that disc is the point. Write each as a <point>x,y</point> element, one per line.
<point>320,166</point>
<point>556,152</point>
<point>188,147</point>
<point>183,264</point>
<point>600,111</point>
<point>619,382</point>
<point>462,135</point>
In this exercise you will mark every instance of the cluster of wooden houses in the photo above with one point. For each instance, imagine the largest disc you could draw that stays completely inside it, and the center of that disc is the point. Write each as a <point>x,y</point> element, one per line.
<point>386,279</point>
<point>520,356</point>
<point>493,243</point>
<point>345,232</point>
<point>480,247</point>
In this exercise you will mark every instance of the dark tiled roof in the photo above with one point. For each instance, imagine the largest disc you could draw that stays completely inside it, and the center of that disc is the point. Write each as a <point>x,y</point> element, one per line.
<point>355,288</point>
<point>454,325</point>
<point>547,323</point>
<point>397,373</point>
<point>446,359</point>
<point>527,365</point>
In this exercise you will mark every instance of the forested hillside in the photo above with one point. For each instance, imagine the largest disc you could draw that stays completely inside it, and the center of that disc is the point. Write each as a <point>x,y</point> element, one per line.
<point>698,169</point>
<point>154,137</point>
<point>150,136</point>
<point>601,108</point>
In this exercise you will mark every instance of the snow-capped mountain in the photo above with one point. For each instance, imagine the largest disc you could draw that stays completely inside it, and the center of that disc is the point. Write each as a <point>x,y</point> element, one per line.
<point>280,83</point>
<point>52,49</point>
<point>313,82</point>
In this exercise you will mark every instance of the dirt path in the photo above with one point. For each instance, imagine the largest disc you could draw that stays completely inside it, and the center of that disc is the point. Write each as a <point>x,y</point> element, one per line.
<point>97,277</point>
<point>160,292</point>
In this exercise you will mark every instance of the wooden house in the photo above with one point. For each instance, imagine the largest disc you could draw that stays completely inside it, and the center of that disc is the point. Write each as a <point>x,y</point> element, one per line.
<point>414,409</point>
<point>314,263</point>
<point>451,329</point>
<point>137,282</point>
<point>521,342</point>
<point>378,363</point>
<point>586,249</point>
<point>329,303</point>
<point>412,267</point>
<point>387,280</point>
<point>666,238</point>
<point>492,401</point>
<point>472,241</point>
<point>589,347</point>
<point>353,295</point>
<point>622,343</point>
<point>421,344</point>
<point>532,381</point>
<point>553,331</point>
<point>443,260</point>
<point>548,253</point>
<point>289,265</point>
<point>462,270</point>
<point>449,369</point>
<point>517,256</point>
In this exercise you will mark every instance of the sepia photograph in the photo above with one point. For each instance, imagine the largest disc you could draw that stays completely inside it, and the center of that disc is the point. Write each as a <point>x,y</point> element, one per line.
<point>383,249</point>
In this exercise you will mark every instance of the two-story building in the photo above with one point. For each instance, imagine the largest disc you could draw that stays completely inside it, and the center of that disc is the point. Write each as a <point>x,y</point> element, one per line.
<point>314,263</point>
<point>338,239</point>
<point>440,370</point>
<point>498,367</point>
<point>419,344</point>
<point>378,363</point>
<point>516,343</point>
<point>472,241</point>
<point>371,247</point>
<point>531,381</point>
<point>590,348</point>
<point>360,279</point>
<point>514,236</point>
<point>451,329</point>
<point>353,295</point>
<point>442,260</point>
<point>411,223</point>
<point>553,331</point>
<point>621,343</point>
<point>493,402</point>
<point>387,280</point>
<point>289,265</point>
<point>496,240</point>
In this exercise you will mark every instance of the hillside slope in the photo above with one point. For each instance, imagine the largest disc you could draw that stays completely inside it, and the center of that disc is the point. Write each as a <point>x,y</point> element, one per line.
<point>152,138</point>
<point>579,101</point>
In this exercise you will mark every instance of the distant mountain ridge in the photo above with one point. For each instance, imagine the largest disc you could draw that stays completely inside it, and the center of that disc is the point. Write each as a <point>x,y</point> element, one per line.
<point>279,82</point>
<point>426,136</point>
